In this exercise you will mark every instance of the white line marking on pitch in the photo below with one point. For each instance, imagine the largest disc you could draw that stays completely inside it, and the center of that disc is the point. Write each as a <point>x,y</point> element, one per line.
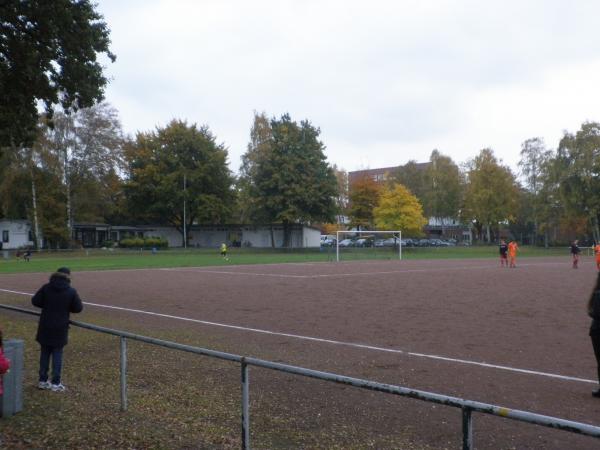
<point>330,341</point>
<point>331,275</point>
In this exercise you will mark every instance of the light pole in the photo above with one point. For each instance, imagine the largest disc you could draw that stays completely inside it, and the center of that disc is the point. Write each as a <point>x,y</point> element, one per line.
<point>184,214</point>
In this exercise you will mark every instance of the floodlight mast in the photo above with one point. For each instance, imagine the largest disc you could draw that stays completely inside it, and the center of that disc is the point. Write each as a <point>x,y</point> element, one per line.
<point>392,232</point>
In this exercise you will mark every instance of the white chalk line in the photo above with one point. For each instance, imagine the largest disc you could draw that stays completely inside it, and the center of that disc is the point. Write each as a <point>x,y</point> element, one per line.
<point>334,342</point>
<point>347,274</point>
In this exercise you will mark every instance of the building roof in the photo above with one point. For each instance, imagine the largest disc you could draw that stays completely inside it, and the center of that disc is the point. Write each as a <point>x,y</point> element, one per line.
<point>379,174</point>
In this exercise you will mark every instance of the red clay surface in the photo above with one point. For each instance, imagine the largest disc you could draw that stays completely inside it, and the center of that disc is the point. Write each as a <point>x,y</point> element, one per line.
<point>532,317</point>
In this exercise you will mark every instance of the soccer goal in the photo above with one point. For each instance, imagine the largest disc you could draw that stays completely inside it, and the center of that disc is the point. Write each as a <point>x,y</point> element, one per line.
<point>371,244</point>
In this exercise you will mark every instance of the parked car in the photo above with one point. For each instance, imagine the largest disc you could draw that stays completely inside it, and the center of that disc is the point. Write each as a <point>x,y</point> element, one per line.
<point>328,242</point>
<point>424,243</point>
<point>390,242</point>
<point>363,242</point>
<point>408,242</point>
<point>379,243</point>
<point>346,243</point>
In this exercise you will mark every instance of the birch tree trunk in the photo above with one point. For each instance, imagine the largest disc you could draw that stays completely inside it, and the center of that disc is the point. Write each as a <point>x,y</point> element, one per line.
<point>36,227</point>
<point>67,180</point>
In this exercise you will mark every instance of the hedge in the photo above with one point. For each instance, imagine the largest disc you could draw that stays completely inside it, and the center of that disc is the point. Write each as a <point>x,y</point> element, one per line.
<point>149,242</point>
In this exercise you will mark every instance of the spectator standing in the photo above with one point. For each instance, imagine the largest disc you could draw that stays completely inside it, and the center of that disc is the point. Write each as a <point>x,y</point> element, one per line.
<point>4,363</point>
<point>58,300</point>
<point>593,309</point>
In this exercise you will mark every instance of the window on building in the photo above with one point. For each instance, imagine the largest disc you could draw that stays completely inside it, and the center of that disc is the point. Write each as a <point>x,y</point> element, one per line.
<point>5,236</point>
<point>30,237</point>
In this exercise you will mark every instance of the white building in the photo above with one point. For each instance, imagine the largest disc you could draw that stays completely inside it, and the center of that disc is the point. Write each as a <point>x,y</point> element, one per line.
<point>15,234</point>
<point>258,236</point>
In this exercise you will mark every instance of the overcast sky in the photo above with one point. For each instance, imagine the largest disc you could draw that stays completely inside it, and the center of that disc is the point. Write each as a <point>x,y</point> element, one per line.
<point>385,81</point>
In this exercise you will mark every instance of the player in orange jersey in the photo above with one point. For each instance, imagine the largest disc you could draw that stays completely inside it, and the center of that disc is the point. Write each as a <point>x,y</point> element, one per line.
<point>512,253</point>
<point>597,253</point>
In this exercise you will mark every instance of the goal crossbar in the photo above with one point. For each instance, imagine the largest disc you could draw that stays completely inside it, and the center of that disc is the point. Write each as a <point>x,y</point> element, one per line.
<point>395,233</point>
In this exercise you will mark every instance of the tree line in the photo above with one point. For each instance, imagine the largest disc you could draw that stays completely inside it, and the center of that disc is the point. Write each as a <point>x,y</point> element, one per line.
<point>554,196</point>
<point>82,168</point>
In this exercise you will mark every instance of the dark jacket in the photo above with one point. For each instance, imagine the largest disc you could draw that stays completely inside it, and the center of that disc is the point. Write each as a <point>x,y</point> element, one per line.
<point>595,314</point>
<point>57,300</point>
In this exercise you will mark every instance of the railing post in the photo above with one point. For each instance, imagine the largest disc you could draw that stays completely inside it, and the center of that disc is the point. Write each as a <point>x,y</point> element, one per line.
<point>467,420</point>
<point>123,373</point>
<point>245,406</point>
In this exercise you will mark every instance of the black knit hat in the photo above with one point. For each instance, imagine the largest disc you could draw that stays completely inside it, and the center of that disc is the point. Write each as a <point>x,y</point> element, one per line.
<point>64,270</point>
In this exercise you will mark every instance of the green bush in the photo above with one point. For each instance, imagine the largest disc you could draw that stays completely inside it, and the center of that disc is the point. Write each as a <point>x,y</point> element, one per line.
<point>156,242</point>
<point>148,242</point>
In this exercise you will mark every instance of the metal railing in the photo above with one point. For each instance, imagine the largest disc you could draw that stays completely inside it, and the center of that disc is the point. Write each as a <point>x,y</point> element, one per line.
<point>467,406</point>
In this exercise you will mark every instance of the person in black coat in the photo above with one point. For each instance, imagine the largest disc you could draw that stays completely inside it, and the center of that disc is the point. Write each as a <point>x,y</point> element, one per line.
<point>593,308</point>
<point>57,300</point>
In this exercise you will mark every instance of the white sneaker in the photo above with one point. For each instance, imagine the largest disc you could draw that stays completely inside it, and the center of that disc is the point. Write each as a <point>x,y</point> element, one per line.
<point>44,385</point>
<point>58,387</point>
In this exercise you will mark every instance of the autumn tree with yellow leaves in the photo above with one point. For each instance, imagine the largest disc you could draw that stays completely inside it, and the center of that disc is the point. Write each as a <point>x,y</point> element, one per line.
<point>399,209</point>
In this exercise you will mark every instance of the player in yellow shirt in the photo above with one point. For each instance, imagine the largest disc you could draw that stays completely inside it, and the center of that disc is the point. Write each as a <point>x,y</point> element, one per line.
<point>224,251</point>
<point>512,253</point>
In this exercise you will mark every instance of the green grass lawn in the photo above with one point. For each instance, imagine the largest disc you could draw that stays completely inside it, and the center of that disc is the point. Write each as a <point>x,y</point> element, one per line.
<point>96,259</point>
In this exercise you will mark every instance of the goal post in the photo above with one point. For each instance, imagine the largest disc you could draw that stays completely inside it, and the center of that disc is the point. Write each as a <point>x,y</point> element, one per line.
<point>396,235</point>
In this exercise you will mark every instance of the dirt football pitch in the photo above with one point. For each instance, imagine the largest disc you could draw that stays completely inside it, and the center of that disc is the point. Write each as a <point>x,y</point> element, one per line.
<point>517,338</point>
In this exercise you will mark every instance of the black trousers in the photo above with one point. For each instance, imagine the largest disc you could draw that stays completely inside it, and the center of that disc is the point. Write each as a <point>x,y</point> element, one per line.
<point>596,344</point>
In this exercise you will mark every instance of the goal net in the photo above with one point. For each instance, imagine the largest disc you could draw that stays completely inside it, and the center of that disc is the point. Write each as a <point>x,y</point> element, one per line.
<point>371,244</point>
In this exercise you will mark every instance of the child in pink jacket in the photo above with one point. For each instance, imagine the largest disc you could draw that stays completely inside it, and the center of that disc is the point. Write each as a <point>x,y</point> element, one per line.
<point>4,363</point>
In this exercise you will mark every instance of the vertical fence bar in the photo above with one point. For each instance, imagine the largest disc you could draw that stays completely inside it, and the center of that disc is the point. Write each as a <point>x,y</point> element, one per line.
<point>123,374</point>
<point>245,406</point>
<point>467,420</point>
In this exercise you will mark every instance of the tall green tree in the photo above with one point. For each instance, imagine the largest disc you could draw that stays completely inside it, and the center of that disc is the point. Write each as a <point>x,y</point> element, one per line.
<point>342,199</point>
<point>491,193</point>
<point>31,188</point>
<point>412,175</point>
<point>48,54</point>
<point>398,209</point>
<point>286,175</point>
<point>578,173</point>
<point>259,149</point>
<point>442,187</point>
<point>178,175</point>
